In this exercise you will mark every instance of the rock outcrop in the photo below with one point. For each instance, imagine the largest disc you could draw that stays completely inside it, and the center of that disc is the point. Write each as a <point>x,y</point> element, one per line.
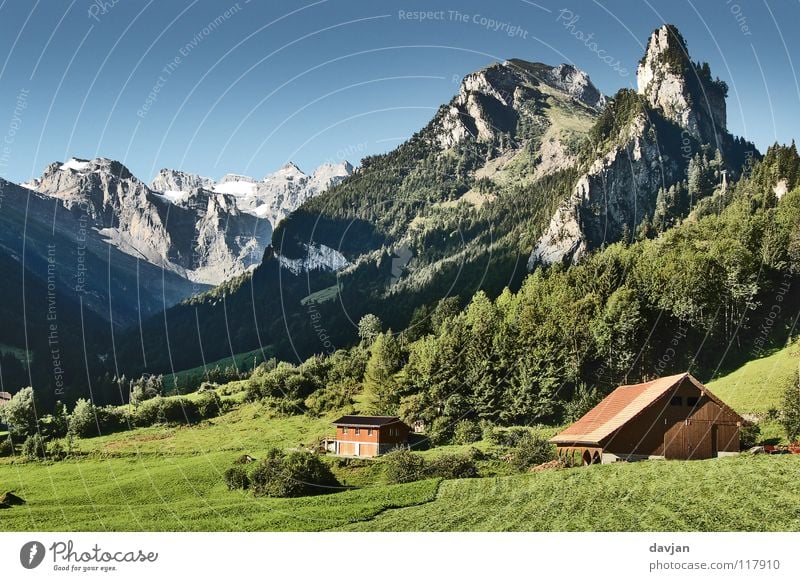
<point>680,90</point>
<point>678,112</point>
<point>202,230</point>
<point>491,101</point>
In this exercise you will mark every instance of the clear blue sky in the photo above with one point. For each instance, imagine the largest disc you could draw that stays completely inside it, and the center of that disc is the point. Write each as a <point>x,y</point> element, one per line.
<point>274,81</point>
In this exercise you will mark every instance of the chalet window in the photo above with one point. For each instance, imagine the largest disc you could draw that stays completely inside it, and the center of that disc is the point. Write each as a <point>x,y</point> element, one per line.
<point>692,401</point>
<point>676,400</point>
<point>344,430</point>
<point>369,431</point>
<point>358,431</point>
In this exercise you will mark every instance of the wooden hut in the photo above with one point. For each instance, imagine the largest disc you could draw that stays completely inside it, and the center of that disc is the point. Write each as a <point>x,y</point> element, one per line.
<point>673,417</point>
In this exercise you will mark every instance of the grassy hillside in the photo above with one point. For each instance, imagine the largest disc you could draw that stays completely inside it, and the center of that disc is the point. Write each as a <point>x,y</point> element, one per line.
<point>758,385</point>
<point>181,493</point>
<point>747,493</point>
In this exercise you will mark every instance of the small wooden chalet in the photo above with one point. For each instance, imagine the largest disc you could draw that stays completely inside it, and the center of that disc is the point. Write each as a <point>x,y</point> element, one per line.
<point>673,417</point>
<point>369,435</point>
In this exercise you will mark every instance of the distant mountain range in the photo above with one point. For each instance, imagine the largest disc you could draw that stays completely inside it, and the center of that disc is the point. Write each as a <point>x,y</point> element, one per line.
<point>528,165</point>
<point>88,249</point>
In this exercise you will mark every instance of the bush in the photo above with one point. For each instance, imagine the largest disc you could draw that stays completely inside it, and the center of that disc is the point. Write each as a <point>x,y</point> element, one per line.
<point>148,413</point>
<point>452,466</point>
<point>55,451</point>
<point>209,404</point>
<point>179,410</point>
<point>82,420</point>
<point>111,419</point>
<point>33,448</point>
<point>236,477</point>
<point>790,412</point>
<point>6,447</point>
<point>290,475</point>
<point>531,450</point>
<point>467,432</point>
<point>441,431</point>
<point>509,437</point>
<point>749,435</point>
<point>166,410</point>
<point>19,413</point>
<point>403,465</point>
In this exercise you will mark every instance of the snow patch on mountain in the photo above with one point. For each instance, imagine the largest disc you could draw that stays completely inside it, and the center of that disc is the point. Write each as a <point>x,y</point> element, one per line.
<point>318,257</point>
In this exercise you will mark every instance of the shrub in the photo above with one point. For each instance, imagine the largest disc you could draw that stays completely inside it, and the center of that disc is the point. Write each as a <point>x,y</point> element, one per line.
<point>166,410</point>
<point>55,451</point>
<point>531,450</point>
<point>111,419</point>
<point>82,420</point>
<point>790,412</point>
<point>148,413</point>
<point>441,431</point>
<point>452,466</point>
<point>236,477</point>
<point>179,410</point>
<point>749,435</point>
<point>19,413</point>
<point>467,432</point>
<point>509,437</point>
<point>6,447</point>
<point>208,404</point>
<point>33,448</point>
<point>289,475</point>
<point>403,465</point>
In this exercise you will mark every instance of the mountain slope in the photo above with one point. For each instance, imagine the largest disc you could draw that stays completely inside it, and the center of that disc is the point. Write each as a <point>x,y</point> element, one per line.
<point>528,164</point>
<point>644,143</point>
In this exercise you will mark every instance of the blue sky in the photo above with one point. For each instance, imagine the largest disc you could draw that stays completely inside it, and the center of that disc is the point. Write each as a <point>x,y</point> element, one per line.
<point>218,86</point>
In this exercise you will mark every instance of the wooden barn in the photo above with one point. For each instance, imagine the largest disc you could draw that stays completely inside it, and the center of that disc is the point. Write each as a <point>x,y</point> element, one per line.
<point>673,417</point>
<point>369,435</point>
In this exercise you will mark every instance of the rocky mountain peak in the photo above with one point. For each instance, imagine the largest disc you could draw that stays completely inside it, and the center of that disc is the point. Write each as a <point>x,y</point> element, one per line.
<point>576,83</point>
<point>684,92</point>
<point>171,180</point>
<point>490,101</point>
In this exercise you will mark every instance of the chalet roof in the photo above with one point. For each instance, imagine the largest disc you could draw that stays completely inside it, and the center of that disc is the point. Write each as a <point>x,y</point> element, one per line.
<point>5,397</point>
<point>366,421</point>
<point>621,406</point>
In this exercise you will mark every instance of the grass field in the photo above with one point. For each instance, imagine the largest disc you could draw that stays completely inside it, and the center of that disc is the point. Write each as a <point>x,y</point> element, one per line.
<point>758,385</point>
<point>179,493</point>
<point>169,478</point>
<point>746,493</point>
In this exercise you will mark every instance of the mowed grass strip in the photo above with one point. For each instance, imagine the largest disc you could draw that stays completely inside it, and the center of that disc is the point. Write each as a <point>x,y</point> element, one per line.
<point>746,493</point>
<point>177,494</point>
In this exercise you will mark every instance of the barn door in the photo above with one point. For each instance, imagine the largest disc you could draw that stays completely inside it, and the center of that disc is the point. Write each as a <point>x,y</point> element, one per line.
<point>698,439</point>
<point>674,447</point>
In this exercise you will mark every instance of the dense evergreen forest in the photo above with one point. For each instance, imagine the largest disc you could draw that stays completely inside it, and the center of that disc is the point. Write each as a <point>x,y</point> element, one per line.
<point>718,289</point>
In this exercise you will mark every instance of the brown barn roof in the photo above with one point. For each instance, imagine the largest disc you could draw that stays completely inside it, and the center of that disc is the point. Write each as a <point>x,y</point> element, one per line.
<point>366,421</point>
<point>622,405</point>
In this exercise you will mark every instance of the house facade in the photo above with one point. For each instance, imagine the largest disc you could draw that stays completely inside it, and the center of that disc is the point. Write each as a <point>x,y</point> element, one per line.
<point>367,436</point>
<point>673,417</point>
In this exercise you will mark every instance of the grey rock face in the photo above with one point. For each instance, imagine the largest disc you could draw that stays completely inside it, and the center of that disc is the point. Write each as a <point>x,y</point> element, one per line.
<point>202,230</point>
<point>676,87</point>
<point>490,101</point>
<point>620,188</point>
